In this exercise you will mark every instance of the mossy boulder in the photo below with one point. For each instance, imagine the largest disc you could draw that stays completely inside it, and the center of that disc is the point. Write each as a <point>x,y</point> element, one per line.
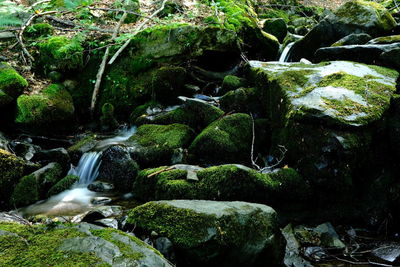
<point>64,184</point>
<point>11,171</point>
<point>244,100</point>
<point>223,183</point>
<point>11,84</point>
<point>356,16</point>
<point>73,245</point>
<point>324,116</point>
<point>385,40</point>
<point>214,233</point>
<point>60,53</point>
<point>34,187</point>
<point>231,82</point>
<point>167,83</point>
<point>353,39</point>
<point>227,140</point>
<point>154,145</point>
<point>83,145</point>
<point>107,119</point>
<point>277,27</point>
<point>195,113</point>
<point>51,109</point>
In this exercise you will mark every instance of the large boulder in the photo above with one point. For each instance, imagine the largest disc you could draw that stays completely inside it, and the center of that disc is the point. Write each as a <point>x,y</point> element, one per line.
<point>11,171</point>
<point>118,168</point>
<point>153,145</point>
<point>50,110</point>
<point>215,233</point>
<point>323,115</point>
<point>225,182</point>
<point>73,245</point>
<point>11,84</point>
<point>227,140</point>
<point>356,16</point>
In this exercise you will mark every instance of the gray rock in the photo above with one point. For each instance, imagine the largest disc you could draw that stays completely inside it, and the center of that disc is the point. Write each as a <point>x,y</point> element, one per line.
<point>98,213</point>
<point>215,233</point>
<point>165,246</point>
<point>353,39</point>
<point>108,222</point>
<point>99,186</point>
<point>292,252</point>
<point>59,155</point>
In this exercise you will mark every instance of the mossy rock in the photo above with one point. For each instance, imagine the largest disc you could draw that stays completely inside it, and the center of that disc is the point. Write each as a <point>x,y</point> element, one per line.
<point>82,146</point>
<point>160,144</point>
<point>39,30</point>
<point>356,16</point>
<point>245,100</point>
<point>51,109</point>
<point>73,245</point>
<point>167,83</point>
<point>224,183</point>
<point>11,169</point>
<point>11,84</point>
<point>214,233</point>
<point>232,82</point>
<point>107,119</point>
<point>35,186</point>
<point>195,113</point>
<point>60,53</point>
<point>227,140</point>
<point>64,184</point>
<point>353,39</point>
<point>385,40</point>
<point>277,27</point>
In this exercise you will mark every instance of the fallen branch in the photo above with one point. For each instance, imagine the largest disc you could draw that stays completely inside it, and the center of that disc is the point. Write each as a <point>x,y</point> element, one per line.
<point>283,151</point>
<point>103,66</point>
<point>253,161</point>
<point>139,28</point>
<point>160,171</point>
<point>21,32</point>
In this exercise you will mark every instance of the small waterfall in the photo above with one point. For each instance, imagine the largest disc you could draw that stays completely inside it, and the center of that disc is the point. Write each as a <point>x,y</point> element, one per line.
<point>88,167</point>
<point>286,52</point>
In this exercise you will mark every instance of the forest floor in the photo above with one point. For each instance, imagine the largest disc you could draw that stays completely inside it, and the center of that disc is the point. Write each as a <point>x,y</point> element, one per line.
<point>330,4</point>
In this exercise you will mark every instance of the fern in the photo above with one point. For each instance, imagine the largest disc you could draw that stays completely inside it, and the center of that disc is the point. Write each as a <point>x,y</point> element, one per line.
<point>10,14</point>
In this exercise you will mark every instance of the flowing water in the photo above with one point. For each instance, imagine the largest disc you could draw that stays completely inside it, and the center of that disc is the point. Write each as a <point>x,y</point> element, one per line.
<point>78,199</point>
<point>286,53</point>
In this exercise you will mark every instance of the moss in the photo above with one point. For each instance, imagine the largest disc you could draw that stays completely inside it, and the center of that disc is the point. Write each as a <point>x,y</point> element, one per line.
<point>64,184</point>
<point>39,30</point>
<point>226,140</point>
<point>276,27</point>
<point>83,145</point>
<point>293,80</point>
<point>231,82</point>
<point>11,83</point>
<point>141,110</point>
<point>38,246</point>
<point>61,53</point>
<point>107,119</point>
<point>184,227</point>
<point>244,100</point>
<point>167,83</point>
<point>53,106</point>
<point>11,169</point>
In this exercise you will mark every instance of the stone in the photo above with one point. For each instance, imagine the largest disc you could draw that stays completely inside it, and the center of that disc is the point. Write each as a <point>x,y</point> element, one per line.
<point>99,186</point>
<point>277,27</point>
<point>64,184</point>
<point>357,16</point>
<point>74,245</point>
<point>59,155</point>
<point>12,84</point>
<point>353,39</point>
<point>214,233</point>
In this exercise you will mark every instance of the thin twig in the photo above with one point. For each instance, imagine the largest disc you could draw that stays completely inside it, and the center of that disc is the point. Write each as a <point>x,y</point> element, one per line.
<point>103,66</point>
<point>38,3</point>
<point>139,28</point>
<point>252,144</point>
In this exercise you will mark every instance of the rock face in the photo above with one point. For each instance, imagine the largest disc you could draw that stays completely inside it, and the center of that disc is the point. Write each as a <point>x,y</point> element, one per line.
<point>215,233</point>
<point>73,245</point>
<point>353,17</point>
<point>322,114</point>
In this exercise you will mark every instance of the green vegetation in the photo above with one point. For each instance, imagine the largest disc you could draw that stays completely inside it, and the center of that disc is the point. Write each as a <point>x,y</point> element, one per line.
<point>64,184</point>
<point>11,84</point>
<point>39,30</point>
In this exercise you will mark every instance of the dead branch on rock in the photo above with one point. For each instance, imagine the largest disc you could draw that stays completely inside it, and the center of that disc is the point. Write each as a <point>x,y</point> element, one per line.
<point>160,171</point>
<point>253,161</point>
<point>139,28</point>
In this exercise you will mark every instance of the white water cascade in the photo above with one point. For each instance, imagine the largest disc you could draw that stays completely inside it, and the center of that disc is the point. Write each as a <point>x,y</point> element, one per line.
<point>88,167</point>
<point>286,52</point>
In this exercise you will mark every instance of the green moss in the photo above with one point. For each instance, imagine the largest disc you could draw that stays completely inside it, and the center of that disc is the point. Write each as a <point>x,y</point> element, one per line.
<point>184,227</point>
<point>11,169</point>
<point>38,246</point>
<point>167,83</point>
<point>292,80</point>
<point>62,185</point>
<point>107,119</point>
<point>39,30</point>
<point>231,82</point>
<point>83,145</point>
<point>11,83</point>
<point>26,192</point>
<point>61,53</point>
<point>226,140</point>
<point>52,106</point>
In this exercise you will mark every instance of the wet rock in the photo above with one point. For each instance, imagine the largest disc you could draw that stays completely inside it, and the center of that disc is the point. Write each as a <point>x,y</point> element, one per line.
<point>387,252</point>
<point>118,168</point>
<point>369,53</point>
<point>24,149</point>
<point>165,246</point>
<point>59,155</point>
<point>214,233</point>
<point>10,217</point>
<point>99,186</point>
<point>391,39</point>
<point>292,252</point>
<point>98,214</point>
<point>353,17</point>
<point>324,235</point>
<point>89,244</point>
<point>101,200</point>
<point>85,144</point>
<point>353,39</point>
<point>108,222</point>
